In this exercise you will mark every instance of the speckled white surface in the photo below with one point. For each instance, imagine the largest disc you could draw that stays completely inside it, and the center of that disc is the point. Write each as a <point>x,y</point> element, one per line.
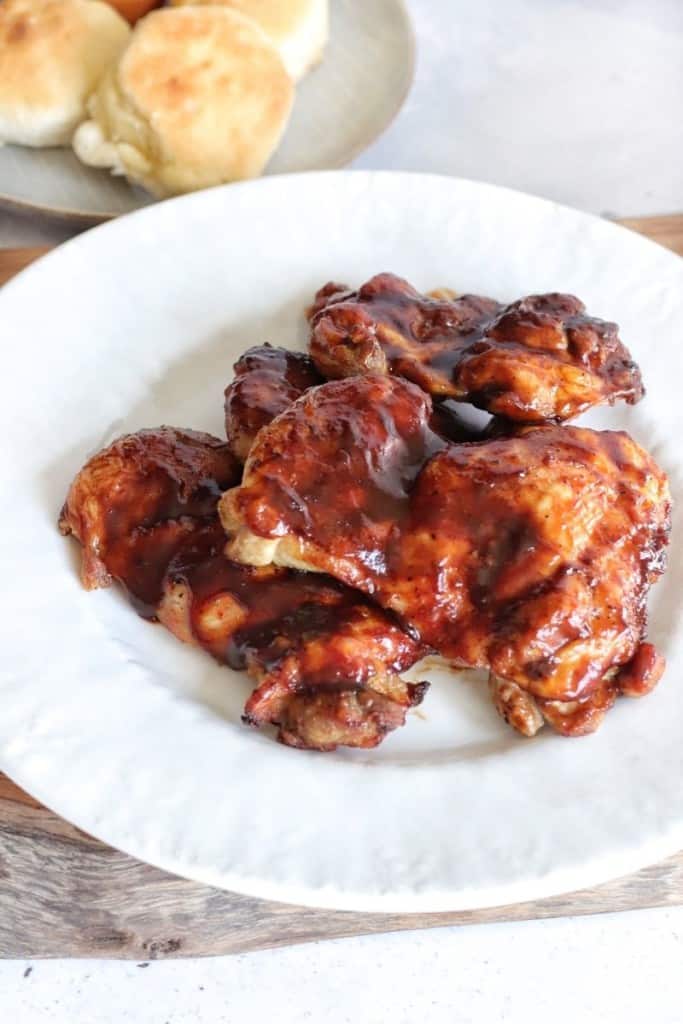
<point>137,739</point>
<point>575,100</point>
<point>612,969</point>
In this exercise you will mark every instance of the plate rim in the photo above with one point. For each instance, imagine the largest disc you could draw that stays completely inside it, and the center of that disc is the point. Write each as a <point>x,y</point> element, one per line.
<point>554,885</point>
<point>83,219</point>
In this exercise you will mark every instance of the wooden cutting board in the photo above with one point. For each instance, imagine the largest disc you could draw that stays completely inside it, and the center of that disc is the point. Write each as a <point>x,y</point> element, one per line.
<point>63,893</point>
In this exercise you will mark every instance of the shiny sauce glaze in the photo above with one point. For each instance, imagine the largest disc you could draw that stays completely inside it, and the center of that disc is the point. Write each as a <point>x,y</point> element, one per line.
<point>139,494</point>
<point>267,380</point>
<point>534,555</point>
<point>531,553</point>
<point>338,467</point>
<point>387,326</point>
<point>275,612</point>
<point>540,358</point>
<point>147,507</point>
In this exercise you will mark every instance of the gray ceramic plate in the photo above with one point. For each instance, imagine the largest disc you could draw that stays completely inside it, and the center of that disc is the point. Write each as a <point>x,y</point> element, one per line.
<point>341,107</point>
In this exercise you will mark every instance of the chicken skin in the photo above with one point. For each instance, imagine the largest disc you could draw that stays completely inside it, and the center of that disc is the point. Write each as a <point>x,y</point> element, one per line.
<point>136,487</point>
<point>539,359</point>
<point>529,555</point>
<point>267,380</point>
<point>325,660</point>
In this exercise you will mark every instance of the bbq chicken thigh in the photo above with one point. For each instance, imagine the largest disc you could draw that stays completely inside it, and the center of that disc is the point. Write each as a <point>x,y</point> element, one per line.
<point>325,660</point>
<point>541,358</point>
<point>529,555</point>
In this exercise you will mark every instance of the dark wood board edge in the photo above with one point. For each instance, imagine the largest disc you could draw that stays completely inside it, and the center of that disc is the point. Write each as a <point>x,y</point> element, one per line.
<point>63,893</point>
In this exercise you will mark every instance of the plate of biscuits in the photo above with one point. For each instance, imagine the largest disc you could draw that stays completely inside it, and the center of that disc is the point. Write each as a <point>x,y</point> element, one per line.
<point>342,541</point>
<point>108,105</point>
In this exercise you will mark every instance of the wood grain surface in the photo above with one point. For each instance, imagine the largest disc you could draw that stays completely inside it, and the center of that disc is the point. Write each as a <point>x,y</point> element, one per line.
<point>14,260</point>
<point>63,893</point>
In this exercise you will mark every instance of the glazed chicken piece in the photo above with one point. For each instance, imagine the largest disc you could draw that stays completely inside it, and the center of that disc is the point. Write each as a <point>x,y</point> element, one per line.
<point>529,555</point>
<point>541,358</point>
<point>154,484</point>
<point>267,380</point>
<point>326,661</point>
<point>324,658</point>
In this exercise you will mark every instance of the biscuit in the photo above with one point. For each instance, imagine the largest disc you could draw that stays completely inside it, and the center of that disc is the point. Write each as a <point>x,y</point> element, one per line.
<point>199,97</point>
<point>52,54</point>
<point>299,28</point>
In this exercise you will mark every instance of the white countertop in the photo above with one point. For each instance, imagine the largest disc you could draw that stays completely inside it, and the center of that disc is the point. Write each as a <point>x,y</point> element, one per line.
<point>612,969</point>
<point>577,100</point>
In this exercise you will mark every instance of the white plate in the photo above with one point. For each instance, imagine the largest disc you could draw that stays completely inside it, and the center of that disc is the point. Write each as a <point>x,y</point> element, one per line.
<point>136,739</point>
<point>341,107</point>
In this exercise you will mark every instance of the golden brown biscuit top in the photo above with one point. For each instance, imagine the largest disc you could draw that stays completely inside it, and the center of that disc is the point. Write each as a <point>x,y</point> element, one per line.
<point>177,57</point>
<point>181,63</point>
<point>45,46</point>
